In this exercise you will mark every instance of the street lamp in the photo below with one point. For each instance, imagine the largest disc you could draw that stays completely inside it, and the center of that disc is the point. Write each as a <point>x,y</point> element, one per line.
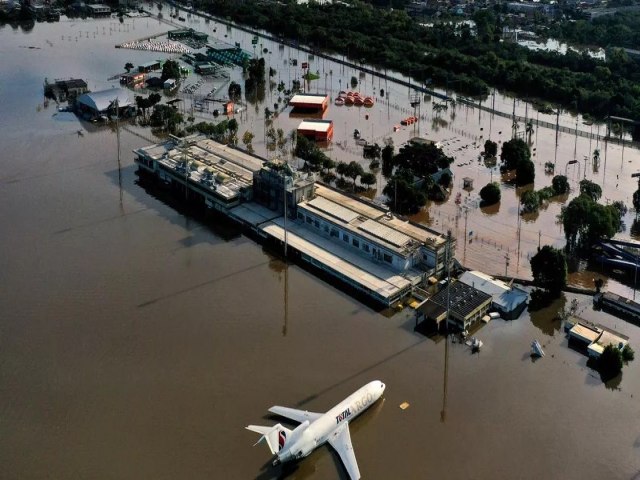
<point>572,162</point>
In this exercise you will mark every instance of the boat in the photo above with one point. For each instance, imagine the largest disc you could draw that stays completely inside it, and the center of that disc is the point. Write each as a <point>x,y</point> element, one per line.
<point>359,101</point>
<point>348,100</point>
<point>339,101</point>
<point>342,93</point>
<point>536,349</point>
<point>368,102</point>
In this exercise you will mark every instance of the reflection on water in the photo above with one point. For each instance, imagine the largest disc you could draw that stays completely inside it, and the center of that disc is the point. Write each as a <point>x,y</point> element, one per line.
<point>546,319</point>
<point>140,334</point>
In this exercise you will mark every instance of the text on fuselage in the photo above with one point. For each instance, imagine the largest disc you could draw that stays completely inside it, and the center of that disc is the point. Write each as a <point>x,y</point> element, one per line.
<point>342,416</point>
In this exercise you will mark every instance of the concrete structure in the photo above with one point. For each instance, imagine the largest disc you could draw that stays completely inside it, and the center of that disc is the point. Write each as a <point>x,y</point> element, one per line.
<point>94,104</point>
<point>583,334</point>
<point>269,187</point>
<point>310,102</point>
<point>219,176</point>
<point>592,338</point>
<point>620,306</point>
<point>508,301</point>
<point>149,67</point>
<point>169,83</point>
<point>467,306</point>
<point>63,90</point>
<point>99,10</point>
<point>187,33</point>
<point>132,79</point>
<point>317,130</point>
<point>372,232</point>
<point>356,242</point>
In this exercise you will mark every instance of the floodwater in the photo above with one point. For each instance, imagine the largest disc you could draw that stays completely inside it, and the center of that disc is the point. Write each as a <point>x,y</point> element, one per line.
<point>137,339</point>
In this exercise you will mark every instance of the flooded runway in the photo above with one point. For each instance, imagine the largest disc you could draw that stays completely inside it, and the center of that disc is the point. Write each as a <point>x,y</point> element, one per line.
<point>138,338</point>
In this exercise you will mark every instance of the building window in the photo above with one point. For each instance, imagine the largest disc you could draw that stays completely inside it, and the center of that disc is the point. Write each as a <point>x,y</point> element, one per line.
<point>334,232</point>
<point>300,216</point>
<point>345,237</point>
<point>387,258</point>
<point>326,228</point>
<point>355,242</point>
<point>316,223</point>
<point>309,220</point>
<point>365,247</point>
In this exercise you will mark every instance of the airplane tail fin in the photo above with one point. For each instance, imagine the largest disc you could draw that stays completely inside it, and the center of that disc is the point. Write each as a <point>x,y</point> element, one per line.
<point>275,436</point>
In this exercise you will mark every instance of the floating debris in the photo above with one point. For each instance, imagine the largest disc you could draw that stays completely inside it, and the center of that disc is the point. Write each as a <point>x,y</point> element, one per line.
<point>404,405</point>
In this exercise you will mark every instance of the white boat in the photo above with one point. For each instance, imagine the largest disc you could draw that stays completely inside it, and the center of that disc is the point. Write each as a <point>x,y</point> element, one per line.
<point>536,349</point>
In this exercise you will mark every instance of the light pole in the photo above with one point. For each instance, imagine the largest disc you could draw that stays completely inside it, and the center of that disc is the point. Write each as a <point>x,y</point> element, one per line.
<point>572,162</point>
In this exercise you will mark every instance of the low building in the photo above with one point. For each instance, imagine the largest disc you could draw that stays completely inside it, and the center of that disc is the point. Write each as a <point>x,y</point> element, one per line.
<point>63,90</point>
<point>220,176</point>
<point>467,306</point>
<point>169,84</point>
<point>507,300</point>
<point>95,104</point>
<point>150,66</point>
<point>269,187</point>
<point>619,305</point>
<point>583,334</point>
<point>98,10</point>
<point>369,230</point>
<point>317,130</point>
<point>312,102</point>
<point>132,79</point>
<point>592,338</point>
<point>608,337</point>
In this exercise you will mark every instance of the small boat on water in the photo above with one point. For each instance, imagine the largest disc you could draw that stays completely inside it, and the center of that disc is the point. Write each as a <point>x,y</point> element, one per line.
<point>536,349</point>
<point>342,94</point>
<point>348,100</point>
<point>339,101</point>
<point>358,101</point>
<point>368,102</point>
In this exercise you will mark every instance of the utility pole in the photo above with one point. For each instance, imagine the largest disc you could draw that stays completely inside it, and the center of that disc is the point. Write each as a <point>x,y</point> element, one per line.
<point>448,267</point>
<point>539,238</point>
<point>466,214</point>
<point>506,263</point>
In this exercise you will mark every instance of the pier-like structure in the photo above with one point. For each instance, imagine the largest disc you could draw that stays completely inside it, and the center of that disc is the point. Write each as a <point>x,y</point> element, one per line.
<point>351,240</point>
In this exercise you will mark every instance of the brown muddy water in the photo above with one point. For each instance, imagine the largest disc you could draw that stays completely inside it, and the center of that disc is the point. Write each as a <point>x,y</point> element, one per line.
<point>138,339</point>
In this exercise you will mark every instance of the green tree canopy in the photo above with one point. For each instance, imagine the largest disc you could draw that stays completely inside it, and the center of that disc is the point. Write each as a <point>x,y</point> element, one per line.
<point>170,69</point>
<point>403,196</point>
<point>549,269</point>
<point>490,193</point>
<point>560,184</point>
<point>490,148</point>
<point>513,153</point>
<point>525,172</point>
<point>590,189</point>
<point>586,221</point>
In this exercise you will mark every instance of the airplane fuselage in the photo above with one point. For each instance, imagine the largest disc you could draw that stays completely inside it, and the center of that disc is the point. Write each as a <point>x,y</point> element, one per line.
<point>318,432</point>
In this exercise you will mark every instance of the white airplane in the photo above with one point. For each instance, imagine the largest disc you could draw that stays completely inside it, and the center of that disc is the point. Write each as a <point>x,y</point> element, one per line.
<point>316,429</point>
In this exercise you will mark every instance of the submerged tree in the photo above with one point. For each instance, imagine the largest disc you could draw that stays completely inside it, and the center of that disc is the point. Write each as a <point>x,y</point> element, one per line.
<point>549,270</point>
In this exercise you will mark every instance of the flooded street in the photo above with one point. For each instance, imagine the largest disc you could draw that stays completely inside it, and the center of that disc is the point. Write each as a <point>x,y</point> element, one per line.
<point>138,338</point>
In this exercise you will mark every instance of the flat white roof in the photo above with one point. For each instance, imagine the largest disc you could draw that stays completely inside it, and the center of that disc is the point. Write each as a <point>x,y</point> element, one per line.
<point>333,209</point>
<point>385,233</point>
<point>308,98</point>
<point>358,269</point>
<point>316,125</point>
<point>584,332</point>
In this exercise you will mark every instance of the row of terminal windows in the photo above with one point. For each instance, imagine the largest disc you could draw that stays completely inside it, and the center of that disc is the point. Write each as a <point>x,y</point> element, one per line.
<point>333,232</point>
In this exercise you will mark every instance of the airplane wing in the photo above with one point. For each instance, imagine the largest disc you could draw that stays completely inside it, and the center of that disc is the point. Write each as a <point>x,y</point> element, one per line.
<point>340,440</point>
<point>295,415</point>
